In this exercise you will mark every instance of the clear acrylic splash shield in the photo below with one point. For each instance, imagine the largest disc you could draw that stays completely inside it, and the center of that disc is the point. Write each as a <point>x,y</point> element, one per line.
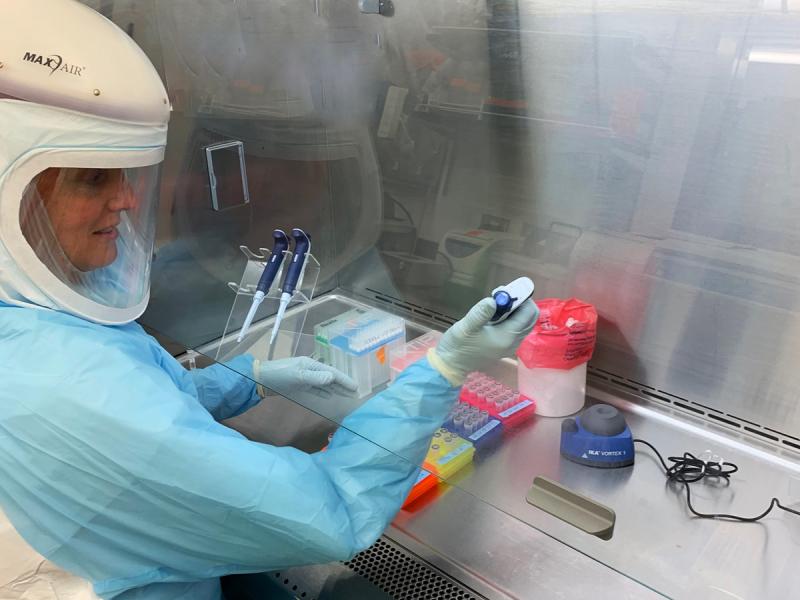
<point>256,342</point>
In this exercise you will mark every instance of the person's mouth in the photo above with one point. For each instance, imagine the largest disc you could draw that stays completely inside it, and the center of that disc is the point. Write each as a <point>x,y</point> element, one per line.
<point>108,233</point>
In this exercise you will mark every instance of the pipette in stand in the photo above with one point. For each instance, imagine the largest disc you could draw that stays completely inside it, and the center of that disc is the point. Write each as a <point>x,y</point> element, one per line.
<point>302,245</point>
<point>271,269</point>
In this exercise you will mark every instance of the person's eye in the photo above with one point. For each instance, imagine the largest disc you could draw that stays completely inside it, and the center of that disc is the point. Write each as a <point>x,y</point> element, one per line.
<point>95,177</point>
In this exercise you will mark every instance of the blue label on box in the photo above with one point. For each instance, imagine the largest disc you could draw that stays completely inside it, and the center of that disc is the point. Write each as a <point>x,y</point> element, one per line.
<point>515,409</point>
<point>484,430</point>
<point>343,343</point>
<point>455,453</point>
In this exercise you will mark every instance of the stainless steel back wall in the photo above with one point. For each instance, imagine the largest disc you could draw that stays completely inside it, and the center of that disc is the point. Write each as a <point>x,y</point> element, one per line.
<point>642,156</point>
<point>639,155</point>
<point>288,79</point>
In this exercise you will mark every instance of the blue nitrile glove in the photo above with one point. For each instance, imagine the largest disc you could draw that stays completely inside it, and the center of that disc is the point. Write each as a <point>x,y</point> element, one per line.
<point>292,375</point>
<point>472,343</point>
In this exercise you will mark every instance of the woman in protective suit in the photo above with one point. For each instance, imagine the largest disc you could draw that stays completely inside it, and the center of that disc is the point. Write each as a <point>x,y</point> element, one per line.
<point>114,468</point>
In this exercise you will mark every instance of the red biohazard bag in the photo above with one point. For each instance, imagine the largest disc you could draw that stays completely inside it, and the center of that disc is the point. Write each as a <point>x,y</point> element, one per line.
<point>564,335</point>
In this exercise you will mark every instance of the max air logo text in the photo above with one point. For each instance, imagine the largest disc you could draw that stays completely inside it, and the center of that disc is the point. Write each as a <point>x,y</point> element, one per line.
<point>54,62</point>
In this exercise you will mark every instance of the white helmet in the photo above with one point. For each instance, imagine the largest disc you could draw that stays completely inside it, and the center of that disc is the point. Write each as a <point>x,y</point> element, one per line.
<point>83,126</point>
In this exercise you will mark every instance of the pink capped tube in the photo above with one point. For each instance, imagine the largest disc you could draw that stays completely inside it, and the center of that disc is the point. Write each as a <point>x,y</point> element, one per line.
<point>494,388</point>
<point>472,391</point>
<point>493,400</point>
<point>489,393</point>
<point>476,395</point>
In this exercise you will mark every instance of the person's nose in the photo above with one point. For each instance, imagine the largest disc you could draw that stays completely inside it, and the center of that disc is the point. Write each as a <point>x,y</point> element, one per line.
<point>124,197</point>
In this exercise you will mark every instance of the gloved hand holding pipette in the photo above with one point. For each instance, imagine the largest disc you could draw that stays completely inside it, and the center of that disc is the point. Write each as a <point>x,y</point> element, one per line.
<point>474,342</point>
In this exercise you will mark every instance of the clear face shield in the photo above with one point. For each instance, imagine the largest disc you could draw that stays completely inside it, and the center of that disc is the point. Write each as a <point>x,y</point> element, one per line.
<point>94,229</point>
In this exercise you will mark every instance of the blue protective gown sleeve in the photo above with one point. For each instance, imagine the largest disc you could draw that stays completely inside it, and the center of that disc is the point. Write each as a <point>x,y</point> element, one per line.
<point>112,467</point>
<point>222,390</point>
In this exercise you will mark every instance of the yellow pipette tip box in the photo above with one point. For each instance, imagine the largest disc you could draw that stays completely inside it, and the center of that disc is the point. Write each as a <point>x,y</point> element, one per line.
<point>448,454</point>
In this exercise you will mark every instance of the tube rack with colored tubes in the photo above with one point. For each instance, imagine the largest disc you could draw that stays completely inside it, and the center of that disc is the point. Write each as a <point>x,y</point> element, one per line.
<point>485,409</point>
<point>448,453</point>
<point>425,482</point>
<point>473,424</point>
<point>500,401</point>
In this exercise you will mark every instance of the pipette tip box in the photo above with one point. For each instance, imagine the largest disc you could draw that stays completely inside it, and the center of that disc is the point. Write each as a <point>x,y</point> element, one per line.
<point>358,343</point>
<point>448,454</point>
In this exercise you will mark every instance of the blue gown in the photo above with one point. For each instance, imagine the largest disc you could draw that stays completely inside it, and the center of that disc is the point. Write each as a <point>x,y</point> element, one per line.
<point>113,464</point>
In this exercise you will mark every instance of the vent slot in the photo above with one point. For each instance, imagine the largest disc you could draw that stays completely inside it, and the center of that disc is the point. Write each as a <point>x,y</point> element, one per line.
<point>724,420</point>
<point>651,395</point>
<point>411,309</point>
<point>695,410</point>
<point>762,434</point>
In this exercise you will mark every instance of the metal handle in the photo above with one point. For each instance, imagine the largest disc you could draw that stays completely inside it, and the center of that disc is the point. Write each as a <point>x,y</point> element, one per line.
<point>579,511</point>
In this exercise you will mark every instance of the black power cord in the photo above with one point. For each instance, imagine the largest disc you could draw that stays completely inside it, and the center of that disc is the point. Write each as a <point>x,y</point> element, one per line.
<point>688,469</point>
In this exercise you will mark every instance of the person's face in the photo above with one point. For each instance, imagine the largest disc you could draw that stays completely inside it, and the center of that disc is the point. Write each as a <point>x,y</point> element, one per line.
<point>85,206</point>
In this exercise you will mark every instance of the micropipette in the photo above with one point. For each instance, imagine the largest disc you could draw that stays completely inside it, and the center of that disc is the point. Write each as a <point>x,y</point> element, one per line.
<point>510,297</point>
<point>271,269</point>
<point>302,245</point>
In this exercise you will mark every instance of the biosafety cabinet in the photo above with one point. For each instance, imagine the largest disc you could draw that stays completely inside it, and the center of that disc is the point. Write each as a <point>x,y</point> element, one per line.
<point>641,156</point>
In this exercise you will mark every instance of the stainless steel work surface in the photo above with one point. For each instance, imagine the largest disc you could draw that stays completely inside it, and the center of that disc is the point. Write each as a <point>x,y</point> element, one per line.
<point>480,519</point>
<point>656,541</point>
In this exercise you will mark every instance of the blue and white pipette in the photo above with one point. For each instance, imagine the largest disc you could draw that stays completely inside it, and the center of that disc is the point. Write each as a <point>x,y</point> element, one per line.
<point>271,269</point>
<point>302,245</point>
<point>510,297</point>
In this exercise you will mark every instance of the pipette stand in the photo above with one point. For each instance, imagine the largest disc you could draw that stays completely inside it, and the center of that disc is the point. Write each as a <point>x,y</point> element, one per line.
<point>256,342</point>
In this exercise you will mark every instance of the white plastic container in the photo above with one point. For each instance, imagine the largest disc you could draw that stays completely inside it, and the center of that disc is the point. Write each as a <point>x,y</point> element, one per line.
<point>552,359</point>
<point>557,392</point>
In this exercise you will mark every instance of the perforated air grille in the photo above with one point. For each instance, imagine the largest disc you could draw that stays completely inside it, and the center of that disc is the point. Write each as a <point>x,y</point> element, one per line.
<point>404,577</point>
